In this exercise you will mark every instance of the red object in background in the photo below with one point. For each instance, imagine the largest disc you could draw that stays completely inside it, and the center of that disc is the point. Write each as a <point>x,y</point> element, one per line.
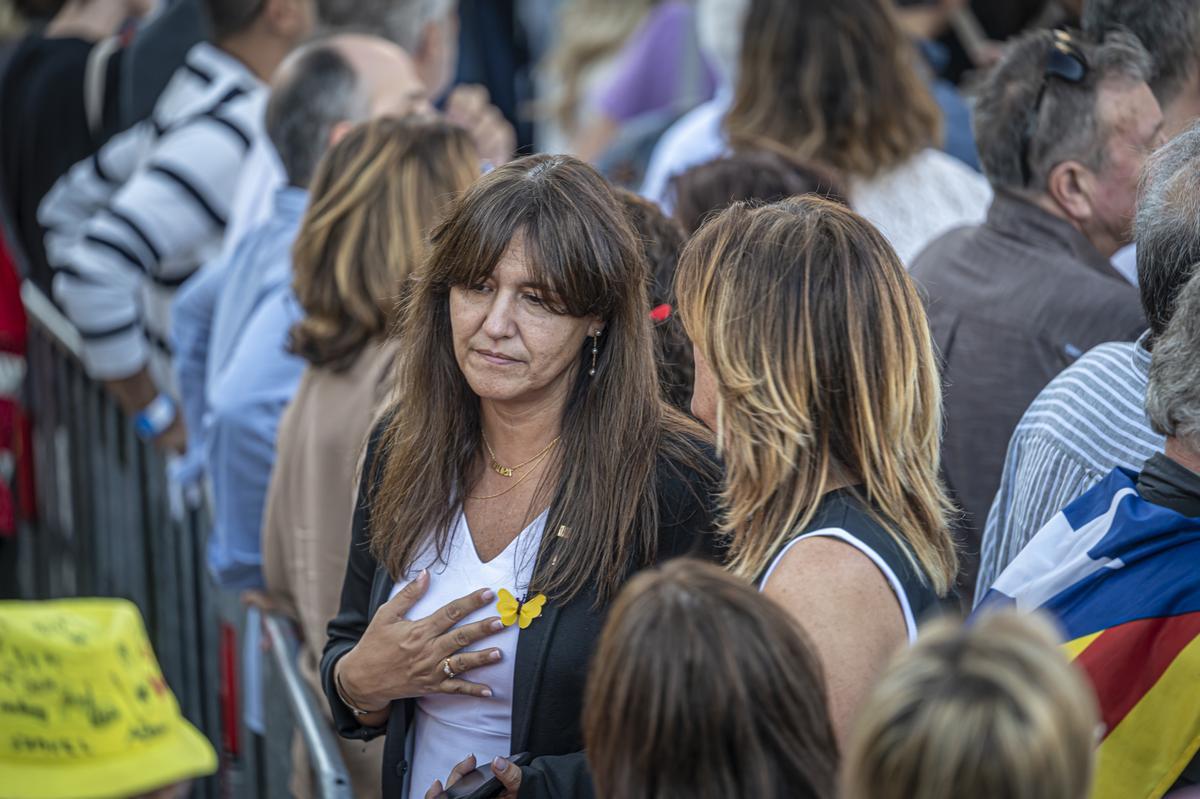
<point>230,743</point>
<point>661,313</point>
<point>16,460</point>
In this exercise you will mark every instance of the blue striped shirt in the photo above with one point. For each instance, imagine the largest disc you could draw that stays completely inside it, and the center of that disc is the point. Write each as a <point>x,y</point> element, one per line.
<point>1087,421</point>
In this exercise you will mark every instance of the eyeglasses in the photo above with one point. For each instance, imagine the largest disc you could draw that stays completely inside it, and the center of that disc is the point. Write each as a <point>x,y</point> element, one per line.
<point>1066,62</point>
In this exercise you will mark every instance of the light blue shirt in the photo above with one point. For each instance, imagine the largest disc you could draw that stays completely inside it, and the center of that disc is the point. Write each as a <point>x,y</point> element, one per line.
<point>211,310</point>
<point>248,396</point>
<point>260,265</point>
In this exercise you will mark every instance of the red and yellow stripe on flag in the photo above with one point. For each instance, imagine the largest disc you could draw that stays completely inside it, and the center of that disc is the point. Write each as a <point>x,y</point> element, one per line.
<point>1146,674</point>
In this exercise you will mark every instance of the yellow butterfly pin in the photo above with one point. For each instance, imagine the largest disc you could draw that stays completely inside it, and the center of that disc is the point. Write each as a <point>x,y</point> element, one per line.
<point>518,611</point>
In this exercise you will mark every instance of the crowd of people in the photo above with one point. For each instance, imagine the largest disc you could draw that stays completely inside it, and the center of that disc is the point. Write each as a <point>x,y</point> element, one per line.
<point>659,451</point>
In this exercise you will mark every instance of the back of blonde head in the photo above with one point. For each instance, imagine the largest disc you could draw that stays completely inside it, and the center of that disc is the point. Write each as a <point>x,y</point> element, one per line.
<point>989,711</point>
<point>826,374</point>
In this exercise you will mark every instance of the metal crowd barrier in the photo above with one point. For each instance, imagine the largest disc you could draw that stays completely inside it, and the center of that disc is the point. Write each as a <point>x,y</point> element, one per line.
<point>105,528</point>
<point>329,776</point>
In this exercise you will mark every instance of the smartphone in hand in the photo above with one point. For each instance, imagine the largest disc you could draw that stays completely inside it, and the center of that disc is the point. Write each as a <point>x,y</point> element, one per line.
<point>482,783</point>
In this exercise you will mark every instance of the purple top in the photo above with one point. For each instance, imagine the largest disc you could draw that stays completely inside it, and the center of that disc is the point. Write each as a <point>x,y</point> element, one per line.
<point>651,72</point>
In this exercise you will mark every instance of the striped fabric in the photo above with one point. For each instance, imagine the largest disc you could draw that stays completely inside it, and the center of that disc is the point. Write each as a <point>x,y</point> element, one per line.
<point>1119,574</point>
<point>1087,421</point>
<point>130,224</point>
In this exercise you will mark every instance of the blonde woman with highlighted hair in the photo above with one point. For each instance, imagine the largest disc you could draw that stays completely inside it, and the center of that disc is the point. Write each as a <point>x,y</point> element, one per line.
<point>375,200</point>
<point>992,710</point>
<point>815,368</point>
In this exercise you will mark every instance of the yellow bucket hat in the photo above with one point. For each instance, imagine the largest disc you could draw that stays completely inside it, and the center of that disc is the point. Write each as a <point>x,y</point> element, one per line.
<point>84,710</point>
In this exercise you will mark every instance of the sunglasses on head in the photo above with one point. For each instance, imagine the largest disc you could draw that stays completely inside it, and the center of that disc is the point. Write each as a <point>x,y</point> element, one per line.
<point>1066,62</point>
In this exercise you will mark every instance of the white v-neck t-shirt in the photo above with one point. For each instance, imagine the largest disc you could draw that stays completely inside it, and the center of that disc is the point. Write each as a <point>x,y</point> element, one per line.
<point>448,727</point>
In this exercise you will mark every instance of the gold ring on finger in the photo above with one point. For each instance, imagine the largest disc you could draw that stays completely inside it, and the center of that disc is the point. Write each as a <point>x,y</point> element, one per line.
<point>449,672</point>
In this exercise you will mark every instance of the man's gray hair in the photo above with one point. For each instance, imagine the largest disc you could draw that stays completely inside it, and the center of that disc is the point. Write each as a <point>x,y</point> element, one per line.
<point>399,21</point>
<point>1173,394</point>
<point>318,90</point>
<point>1167,228</point>
<point>1067,126</point>
<point>1169,30</point>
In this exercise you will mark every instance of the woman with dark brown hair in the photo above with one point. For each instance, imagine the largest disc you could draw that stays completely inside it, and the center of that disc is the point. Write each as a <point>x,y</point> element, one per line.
<point>375,198</point>
<point>815,367</point>
<point>528,466</point>
<point>704,689</point>
<point>756,176</point>
<point>836,82</point>
<point>661,238</point>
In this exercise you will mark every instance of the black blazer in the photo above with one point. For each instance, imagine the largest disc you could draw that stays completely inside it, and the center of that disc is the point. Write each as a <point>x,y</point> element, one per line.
<point>552,655</point>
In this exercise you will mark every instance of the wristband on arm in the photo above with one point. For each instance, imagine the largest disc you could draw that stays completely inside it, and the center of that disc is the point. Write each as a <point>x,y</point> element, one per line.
<point>154,420</point>
<point>341,692</point>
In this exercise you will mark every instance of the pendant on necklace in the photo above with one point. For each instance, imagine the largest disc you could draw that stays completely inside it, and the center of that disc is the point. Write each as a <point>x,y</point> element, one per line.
<point>503,471</point>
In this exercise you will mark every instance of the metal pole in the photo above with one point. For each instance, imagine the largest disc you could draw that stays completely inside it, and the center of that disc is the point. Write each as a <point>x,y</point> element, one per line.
<point>105,527</point>
<point>329,770</point>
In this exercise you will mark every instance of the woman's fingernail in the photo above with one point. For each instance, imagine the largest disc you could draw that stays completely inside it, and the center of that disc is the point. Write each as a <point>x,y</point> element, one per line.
<point>489,595</point>
<point>487,692</point>
<point>500,764</point>
<point>424,574</point>
<point>494,655</point>
<point>496,626</point>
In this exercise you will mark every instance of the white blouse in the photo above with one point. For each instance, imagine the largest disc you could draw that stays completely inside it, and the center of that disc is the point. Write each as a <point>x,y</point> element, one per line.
<point>930,194</point>
<point>447,727</point>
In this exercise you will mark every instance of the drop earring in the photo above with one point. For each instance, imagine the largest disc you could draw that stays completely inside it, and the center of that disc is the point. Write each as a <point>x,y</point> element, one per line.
<point>595,352</point>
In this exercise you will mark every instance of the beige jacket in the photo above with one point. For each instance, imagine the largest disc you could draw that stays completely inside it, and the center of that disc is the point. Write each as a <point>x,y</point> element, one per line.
<point>306,526</point>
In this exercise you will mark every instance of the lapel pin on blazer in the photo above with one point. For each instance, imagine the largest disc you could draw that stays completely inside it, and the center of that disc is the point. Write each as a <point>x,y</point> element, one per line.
<point>563,532</point>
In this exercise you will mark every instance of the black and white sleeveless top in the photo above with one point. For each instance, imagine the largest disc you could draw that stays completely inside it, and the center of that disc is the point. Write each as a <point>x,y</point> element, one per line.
<point>843,515</point>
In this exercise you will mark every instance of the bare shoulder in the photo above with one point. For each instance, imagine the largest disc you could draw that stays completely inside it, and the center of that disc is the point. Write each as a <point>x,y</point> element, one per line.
<point>848,610</point>
<point>826,572</point>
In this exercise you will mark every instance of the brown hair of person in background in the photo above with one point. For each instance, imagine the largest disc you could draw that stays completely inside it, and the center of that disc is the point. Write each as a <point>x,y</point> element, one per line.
<point>832,81</point>
<point>760,176</point>
<point>991,710</point>
<point>702,688</point>
<point>661,239</point>
<point>616,426</point>
<point>826,375</point>
<point>374,195</point>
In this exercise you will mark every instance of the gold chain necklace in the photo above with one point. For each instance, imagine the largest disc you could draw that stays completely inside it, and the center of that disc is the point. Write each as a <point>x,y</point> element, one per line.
<point>524,477</point>
<point>507,471</point>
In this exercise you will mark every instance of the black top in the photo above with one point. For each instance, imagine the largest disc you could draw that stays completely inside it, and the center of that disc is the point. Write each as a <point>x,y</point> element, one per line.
<point>158,49</point>
<point>45,130</point>
<point>552,656</point>
<point>844,510</point>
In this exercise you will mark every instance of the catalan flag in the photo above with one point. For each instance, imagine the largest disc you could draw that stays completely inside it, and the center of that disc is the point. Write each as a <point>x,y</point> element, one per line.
<point>1122,576</point>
